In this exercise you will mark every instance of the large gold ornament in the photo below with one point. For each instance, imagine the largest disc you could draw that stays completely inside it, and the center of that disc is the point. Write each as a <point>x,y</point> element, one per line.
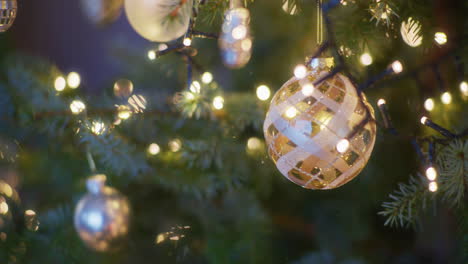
<point>8,10</point>
<point>102,12</point>
<point>320,135</point>
<point>102,216</point>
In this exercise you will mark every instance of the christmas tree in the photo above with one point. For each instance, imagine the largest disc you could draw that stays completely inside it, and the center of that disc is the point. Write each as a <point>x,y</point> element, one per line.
<point>166,131</point>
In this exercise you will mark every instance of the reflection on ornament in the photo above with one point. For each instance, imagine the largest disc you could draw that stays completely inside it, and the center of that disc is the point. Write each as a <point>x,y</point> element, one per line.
<point>159,20</point>
<point>289,7</point>
<point>235,41</point>
<point>321,140</point>
<point>263,92</point>
<point>102,12</point>
<point>366,59</point>
<point>102,216</point>
<point>8,10</point>
<point>123,88</point>
<point>411,32</point>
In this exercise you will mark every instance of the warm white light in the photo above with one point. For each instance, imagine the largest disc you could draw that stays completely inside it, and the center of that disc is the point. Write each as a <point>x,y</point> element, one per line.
<point>94,220</point>
<point>73,80</point>
<point>254,143</point>
<point>397,67</point>
<point>440,38</point>
<point>98,127</point>
<point>3,207</point>
<point>124,112</point>
<point>381,102</point>
<point>187,42</point>
<point>207,77</point>
<point>154,149</point>
<point>60,84</point>
<point>366,59</point>
<point>300,71</point>
<point>77,106</point>
<point>175,145</point>
<point>263,92</point>
<point>433,187</point>
<point>464,88</point>
<point>308,89</point>
<point>446,98</point>
<point>431,173</point>
<point>239,32</point>
<point>423,120</point>
<point>291,112</point>
<point>189,96</point>
<point>342,145</point>
<point>152,55</point>
<point>429,104</point>
<point>246,44</point>
<point>195,87</point>
<point>218,102</point>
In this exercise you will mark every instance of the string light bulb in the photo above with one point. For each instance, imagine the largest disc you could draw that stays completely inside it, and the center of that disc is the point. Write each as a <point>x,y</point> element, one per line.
<point>423,120</point>
<point>429,104</point>
<point>239,32</point>
<point>195,87</point>
<point>446,98</point>
<point>60,84</point>
<point>300,71</point>
<point>218,102</point>
<point>381,101</point>
<point>77,106</point>
<point>98,127</point>
<point>433,187</point>
<point>73,80</point>
<point>152,55</point>
<point>207,77</point>
<point>366,59</point>
<point>154,149</point>
<point>440,38</point>
<point>397,67</point>
<point>431,173</point>
<point>254,143</point>
<point>464,88</point>
<point>187,42</point>
<point>263,92</point>
<point>175,145</point>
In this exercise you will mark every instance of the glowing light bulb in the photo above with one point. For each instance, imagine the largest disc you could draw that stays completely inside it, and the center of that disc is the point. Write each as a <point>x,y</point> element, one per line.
<point>60,84</point>
<point>381,102</point>
<point>162,47</point>
<point>187,42</point>
<point>366,59</point>
<point>195,87</point>
<point>446,98</point>
<point>218,102</point>
<point>77,106</point>
<point>207,77</point>
<point>308,89</point>
<point>3,208</point>
<point>300,71</point>
<point>239,32</point>
<point>254,143</point>
<point>94,220</point>
<point>431,173</point>
<point>246,44</point>
<point>397,67</point>
<point>440,38</point>
<point>124,112</point>
<point>154,149</point>
<point>98,127</point>
<point>291,112</point>
<point>423,120</point>
<point>175,145</point>
<point>433,187</point>
<point>429,104</point>
<point>342,146</point>
<point>464,88</point>
<point>73,80</point>
<point>263,92</point>
<point>152,55</point>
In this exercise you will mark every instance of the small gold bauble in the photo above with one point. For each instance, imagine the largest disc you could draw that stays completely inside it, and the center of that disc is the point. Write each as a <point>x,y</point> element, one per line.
<point>8,10</point>
<point>102,12</point>
<point>315,131</point>
<point>123,88</point>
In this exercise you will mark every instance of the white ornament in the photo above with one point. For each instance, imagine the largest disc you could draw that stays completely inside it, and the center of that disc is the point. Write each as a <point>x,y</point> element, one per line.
<point>411,32</point>
<point>235,41</point>
<point>159,20</point>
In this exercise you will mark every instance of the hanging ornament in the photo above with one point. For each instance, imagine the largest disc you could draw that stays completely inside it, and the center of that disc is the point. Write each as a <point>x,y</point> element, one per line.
<point>159,20</point>
<point>123,88</point>
<point>102,216</point>
<point>8,10</point>
<point>411,32</point>
<point>235,41</point>
<point>320,134</point>
<point>102,12</point>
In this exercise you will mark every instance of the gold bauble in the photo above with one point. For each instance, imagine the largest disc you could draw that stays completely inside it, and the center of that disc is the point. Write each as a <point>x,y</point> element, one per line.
<point>8,10</point>
<point>102,12</point>
<point>320,135</point>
